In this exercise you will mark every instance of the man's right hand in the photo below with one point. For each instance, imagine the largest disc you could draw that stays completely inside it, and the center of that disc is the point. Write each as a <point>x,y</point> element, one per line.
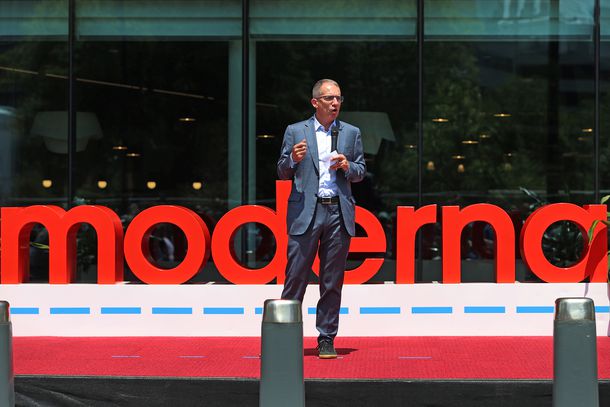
<point>299,150</point>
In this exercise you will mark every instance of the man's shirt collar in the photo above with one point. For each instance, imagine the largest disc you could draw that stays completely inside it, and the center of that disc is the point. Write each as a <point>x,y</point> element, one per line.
<point>317,125</point>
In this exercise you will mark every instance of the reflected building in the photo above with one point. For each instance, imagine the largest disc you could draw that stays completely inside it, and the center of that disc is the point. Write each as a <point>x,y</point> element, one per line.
<point>185,103</point>
<point>7,143</point>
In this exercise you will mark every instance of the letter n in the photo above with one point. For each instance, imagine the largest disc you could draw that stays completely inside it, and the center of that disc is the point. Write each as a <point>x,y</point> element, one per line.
<point>454,220</point>
<point>409,221</point>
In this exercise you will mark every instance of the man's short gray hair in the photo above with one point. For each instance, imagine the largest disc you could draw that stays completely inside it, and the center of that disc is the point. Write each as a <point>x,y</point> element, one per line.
<point>315,92</point>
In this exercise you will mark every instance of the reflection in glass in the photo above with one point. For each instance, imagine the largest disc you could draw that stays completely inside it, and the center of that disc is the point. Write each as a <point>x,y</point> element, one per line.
<point>515,91</point>
<point>33,72</point>
<point>508,112</point>
<point>158,78</point>
<point>586,133</point>
<point>369,49</point>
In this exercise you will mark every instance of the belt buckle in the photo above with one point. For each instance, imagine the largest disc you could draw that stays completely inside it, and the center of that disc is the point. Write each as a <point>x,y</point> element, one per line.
<point>328,200</point>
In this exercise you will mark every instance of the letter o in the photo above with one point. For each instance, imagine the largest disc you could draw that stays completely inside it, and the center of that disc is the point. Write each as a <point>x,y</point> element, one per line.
<point>137,251</point>
<point>222,243</point>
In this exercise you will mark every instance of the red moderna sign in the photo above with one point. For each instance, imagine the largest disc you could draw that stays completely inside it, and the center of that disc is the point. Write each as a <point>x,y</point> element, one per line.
<point>114,247</point>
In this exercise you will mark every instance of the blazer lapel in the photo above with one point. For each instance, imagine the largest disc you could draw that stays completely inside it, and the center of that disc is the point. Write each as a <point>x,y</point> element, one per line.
<point>312,143</point>
<point>340,138</point>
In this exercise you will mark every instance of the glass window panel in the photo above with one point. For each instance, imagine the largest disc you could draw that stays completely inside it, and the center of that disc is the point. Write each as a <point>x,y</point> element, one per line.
<point>369,48</point>
<point>29,18</point>
<point>508,19</point>
<point>320,18</point>
<point>157,18</point>
<point>159,97</point>
<point>507,119</point>
<point>604,19</point>
<point>604,141</point>
<point>33,112</point>
<point>33,83</point>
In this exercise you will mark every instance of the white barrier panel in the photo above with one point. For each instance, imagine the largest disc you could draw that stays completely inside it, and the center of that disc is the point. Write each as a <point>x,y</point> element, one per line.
<point>469,309</point>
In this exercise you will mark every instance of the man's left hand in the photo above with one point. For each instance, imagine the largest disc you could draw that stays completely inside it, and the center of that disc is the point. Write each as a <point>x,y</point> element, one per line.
<point>340,162</point>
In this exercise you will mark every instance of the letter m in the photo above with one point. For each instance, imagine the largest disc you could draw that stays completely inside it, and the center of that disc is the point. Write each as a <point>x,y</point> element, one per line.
<point>16,226</point>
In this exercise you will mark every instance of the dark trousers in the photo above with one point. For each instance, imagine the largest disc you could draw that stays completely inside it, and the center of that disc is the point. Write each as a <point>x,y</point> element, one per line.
<point>328,237</point>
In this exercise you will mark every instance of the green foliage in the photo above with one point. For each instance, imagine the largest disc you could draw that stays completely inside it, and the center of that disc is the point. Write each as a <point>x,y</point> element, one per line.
<point>598,221</point>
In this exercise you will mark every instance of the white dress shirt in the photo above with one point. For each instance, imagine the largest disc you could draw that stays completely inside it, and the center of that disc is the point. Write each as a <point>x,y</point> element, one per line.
<point>328,178</point>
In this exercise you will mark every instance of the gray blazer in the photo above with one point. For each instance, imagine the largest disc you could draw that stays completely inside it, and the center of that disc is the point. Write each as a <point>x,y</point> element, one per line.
<point>305,174</point>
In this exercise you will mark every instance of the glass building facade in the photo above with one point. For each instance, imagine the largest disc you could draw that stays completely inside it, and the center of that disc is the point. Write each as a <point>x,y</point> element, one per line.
<point>131,104</point>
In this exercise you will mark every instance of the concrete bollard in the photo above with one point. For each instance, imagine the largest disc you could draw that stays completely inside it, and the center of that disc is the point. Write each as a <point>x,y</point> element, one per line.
<point>282,355</point>
<point>7,377</point>
<point>575,354</point>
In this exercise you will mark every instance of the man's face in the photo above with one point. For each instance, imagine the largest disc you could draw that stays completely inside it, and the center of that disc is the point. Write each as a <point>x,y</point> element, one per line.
<point>328,104</point>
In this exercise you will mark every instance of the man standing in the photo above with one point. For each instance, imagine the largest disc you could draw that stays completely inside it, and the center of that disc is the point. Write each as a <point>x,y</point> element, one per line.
<point>322,156</point>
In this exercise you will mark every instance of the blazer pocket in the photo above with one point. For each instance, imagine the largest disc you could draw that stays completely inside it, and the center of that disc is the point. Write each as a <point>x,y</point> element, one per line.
<point>295,198</point>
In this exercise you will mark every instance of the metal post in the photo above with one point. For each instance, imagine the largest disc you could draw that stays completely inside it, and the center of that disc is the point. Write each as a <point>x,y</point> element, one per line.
<point>7,378</point>
<point>575,354</point>
<point>282,355</point>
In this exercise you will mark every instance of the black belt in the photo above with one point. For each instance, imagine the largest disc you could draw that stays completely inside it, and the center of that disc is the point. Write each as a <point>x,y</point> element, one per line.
<point>333,200</point>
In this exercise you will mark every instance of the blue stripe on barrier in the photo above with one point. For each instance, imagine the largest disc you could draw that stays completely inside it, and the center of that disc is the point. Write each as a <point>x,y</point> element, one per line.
<point>431,310</point>
<point>310,310</point>
<point>535,309</point>
<point>120,310</point>
<point>70,310</point>
<point>379,310</point>
<point>24,311</point>
<point>223,311</point>
<point>172,310</point>
<point>484,310</point>
<point>342,310</point>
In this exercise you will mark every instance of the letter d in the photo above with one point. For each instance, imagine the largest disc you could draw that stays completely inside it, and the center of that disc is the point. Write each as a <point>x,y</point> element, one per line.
<point>224,233</point>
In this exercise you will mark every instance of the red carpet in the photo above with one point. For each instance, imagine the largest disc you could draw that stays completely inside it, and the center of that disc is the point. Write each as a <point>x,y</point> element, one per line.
<point>359,358</point>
